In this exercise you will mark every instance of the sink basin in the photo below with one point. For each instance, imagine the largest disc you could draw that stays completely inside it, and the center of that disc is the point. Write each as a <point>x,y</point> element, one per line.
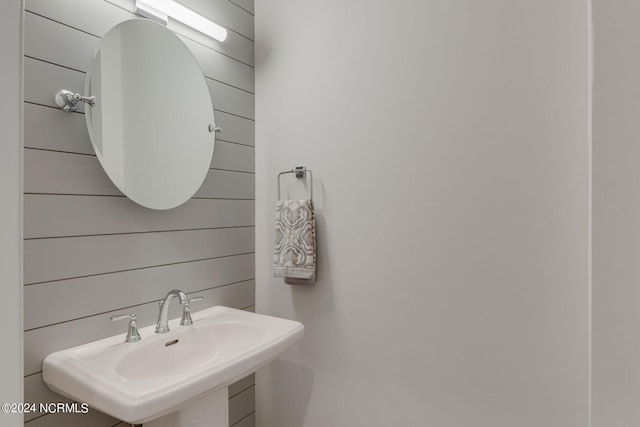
<point>196,348</point>
<point>163,373</point>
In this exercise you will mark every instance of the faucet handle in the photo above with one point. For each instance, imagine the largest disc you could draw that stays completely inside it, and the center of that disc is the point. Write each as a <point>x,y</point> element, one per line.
<point>123,316</point>
<point>186,312</point>
<point>132,335</point>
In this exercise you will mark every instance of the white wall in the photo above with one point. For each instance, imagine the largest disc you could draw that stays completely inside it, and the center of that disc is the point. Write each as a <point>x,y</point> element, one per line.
<point>11,207</point>
<point>448,139</point>
<point>616,214</point>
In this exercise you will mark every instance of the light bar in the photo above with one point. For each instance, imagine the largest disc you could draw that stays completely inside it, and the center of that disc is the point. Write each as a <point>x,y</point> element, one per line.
<point>161,9</point>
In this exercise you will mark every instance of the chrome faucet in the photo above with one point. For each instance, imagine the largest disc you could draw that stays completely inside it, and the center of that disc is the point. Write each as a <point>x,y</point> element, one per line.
<point>163,324</point>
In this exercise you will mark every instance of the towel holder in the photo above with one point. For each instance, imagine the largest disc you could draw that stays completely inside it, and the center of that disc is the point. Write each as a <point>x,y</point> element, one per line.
<point>300,172</point>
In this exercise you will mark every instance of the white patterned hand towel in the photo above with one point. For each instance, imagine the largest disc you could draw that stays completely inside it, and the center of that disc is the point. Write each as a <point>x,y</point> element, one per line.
<point>294,253</point>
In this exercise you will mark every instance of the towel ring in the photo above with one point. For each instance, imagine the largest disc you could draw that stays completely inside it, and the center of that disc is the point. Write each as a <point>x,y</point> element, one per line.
<point>301,172</point>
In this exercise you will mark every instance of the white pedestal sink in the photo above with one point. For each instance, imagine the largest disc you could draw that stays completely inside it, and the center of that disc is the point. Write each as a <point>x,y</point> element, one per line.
<point>175,379</point>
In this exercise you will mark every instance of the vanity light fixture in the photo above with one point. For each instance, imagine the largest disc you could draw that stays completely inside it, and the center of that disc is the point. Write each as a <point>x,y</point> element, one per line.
<point>161,10</point>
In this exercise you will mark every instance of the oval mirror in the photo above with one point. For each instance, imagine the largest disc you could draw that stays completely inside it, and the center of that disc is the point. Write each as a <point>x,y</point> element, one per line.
<point>152,125</point>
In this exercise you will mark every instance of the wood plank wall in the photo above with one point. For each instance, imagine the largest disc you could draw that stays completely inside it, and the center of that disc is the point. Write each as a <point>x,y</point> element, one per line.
<point>89,252</point>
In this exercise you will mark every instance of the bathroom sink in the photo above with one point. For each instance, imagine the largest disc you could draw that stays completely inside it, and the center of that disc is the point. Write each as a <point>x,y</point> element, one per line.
<point>163,373</point>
